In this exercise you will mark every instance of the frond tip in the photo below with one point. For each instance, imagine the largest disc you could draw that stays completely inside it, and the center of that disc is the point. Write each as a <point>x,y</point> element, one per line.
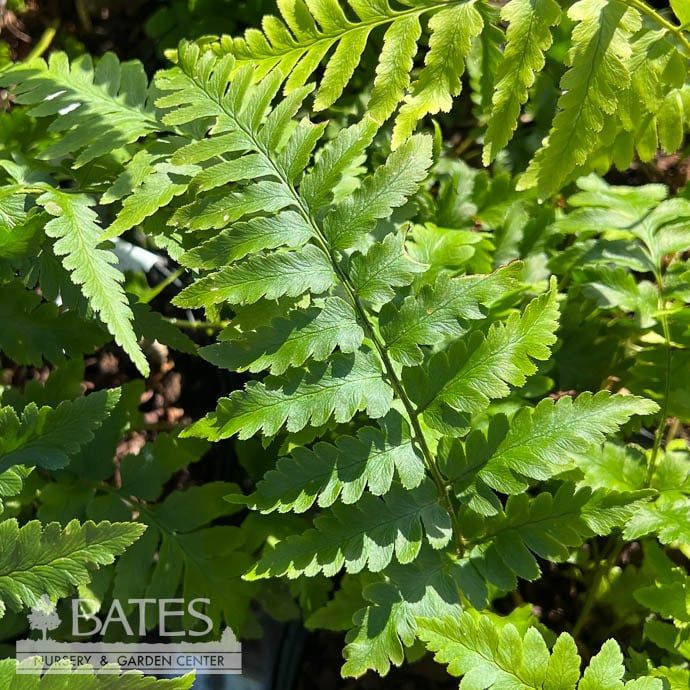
<point>489,656</point>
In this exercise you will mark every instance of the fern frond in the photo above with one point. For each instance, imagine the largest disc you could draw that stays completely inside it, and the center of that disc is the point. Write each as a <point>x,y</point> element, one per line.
<point>346,150</point>
<point>667,519</point>
<point>37,559</point>
<point>342,471</point>
<point>98,109</point>
<point>527,39</point>
<point>597,75</point>
<point>470,374</point>
<point>337,389</point>
<point>452,32</point>
<point>541,442</point>
<point>384,190</point>
<point>12,482</point>
<point>384,267</point>
<point>83,679</point>
<point>46,437</point>
<point>367,534</point>
<point>159,186</point>
<point>487,656</point>
<point>324,296</point>
<point>484,59</point>
<point>285,229</point>
<point>296,44</point>
<point>382,629</point>
<point>441,311</point>
<point>312,333</point>
<point>77,233</point>
<point>312,32</point>
<point>199,91</point>
<point>182,551</point>
<point>266,276</point>
<point>547,526</point>
<point>40,330</point>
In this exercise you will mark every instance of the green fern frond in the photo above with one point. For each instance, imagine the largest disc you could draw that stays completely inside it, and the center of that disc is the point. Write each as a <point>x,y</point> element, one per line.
<point>384,190</point>
<point>528,38</point>
<point>384,267</point>
<point>666,518</point>
<point>472,373</point>
<point>591,87</point>
<point>285,229</point>
<point>367,345</point>
<point>12,483</point>
<point>487,656</point>
<point>547,526</point>
<point>342,471</point>
<point>338,389</point>
<point>266,276</point>
<point>182,550</point>
<point>312,32</point>
<point>77,235</point>
<point>46,437</point>
<point>441,311</point>
<point>308,334</point>
<point>160,184</point>
<point>367,534</point>
<point>297,43</point>
<point>37,559</point>
<point>96,109</point>
<point>452,32</point>
<point>40,330</point>
<point>383,628</point>
<point>540,441</point>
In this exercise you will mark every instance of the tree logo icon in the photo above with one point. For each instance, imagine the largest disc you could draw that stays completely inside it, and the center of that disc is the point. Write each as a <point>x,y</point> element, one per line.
<point>43,616</point>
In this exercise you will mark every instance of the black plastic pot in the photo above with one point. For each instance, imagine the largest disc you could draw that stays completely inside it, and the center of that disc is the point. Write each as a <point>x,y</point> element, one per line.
<point>271,663</point>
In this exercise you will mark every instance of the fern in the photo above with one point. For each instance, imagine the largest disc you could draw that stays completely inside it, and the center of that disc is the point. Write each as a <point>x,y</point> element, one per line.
<point>452,32</point>
<point>598,72</point>
<point>100,109</point>
<point>597,85</point>
<point>290,341</point>
<point>328,473</point>
<point>470,374</point>
<point>82,679</point>
<point>398,317</point>
<point>358,307</point>
<point>298,42</point>
<point>490,657</point>
<point>40,331</point>
<point>529,36</point>
<point>38,560</point>
<point>307,32</point>
<point>546,527</point>
<point>77,233</point>
<point>338,388</point>
<point>535,443</point>
<point>46,437</point>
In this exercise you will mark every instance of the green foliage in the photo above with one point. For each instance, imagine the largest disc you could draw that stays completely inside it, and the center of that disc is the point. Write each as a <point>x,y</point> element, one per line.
<point>625,88</point>
<point>39,331</point>
<point>77,233</point>
<point>100,108</point>
<point>417,339</point>
<point>528,37</point>
<point>491,657</point>
<point>338,307</point>
<point>11,677</point>
<point>38,559</point>
<point>45,436</point>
